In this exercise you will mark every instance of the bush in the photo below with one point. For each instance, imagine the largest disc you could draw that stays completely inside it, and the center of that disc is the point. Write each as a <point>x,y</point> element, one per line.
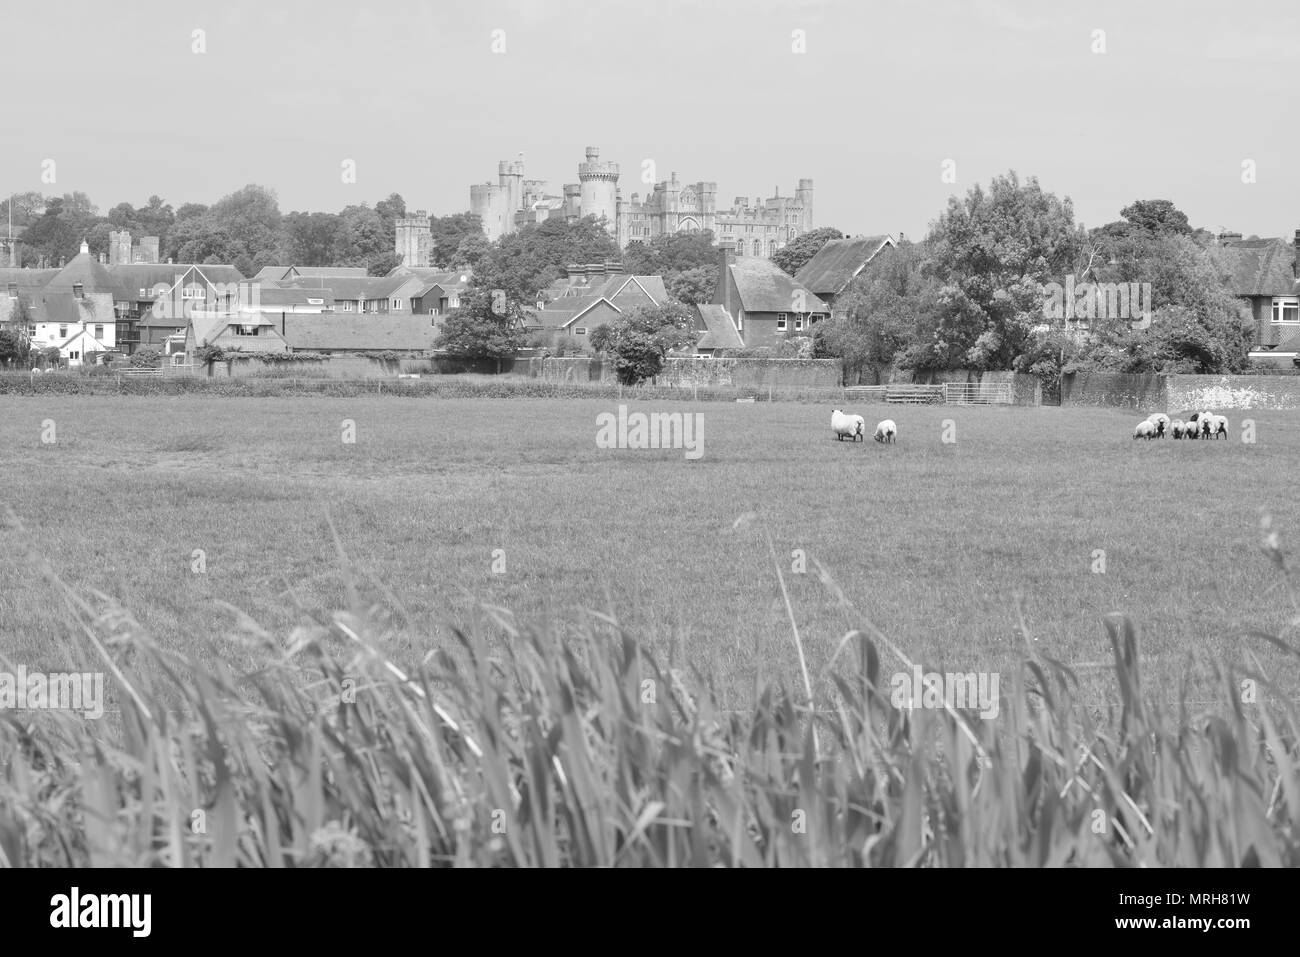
<point>146,359</point>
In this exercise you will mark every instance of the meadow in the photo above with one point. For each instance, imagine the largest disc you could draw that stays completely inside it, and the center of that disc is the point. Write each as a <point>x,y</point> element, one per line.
<point>1033,524</point>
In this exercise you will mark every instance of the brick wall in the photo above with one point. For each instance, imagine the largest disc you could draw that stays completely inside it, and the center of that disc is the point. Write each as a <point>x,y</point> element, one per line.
<point>752,373</point>
<point>1118,389</point>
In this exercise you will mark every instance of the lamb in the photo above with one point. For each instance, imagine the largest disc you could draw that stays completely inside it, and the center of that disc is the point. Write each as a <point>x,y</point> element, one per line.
<point>886,431</point>
<point>843,424</point>
<point>1144,430</point>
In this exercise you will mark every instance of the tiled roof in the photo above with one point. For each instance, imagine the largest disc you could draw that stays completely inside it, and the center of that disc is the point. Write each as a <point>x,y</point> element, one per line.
<point>26,279</point>
<point>343,333</point>
<point>83,269</point>
<point>59,307</point>
<point>274,297</point>
<point>836,263</point>
<point>1261,267</point>
<point>720,331</point>
<point>765,287</point>
<point>316,272</point>
<point>356,288</point>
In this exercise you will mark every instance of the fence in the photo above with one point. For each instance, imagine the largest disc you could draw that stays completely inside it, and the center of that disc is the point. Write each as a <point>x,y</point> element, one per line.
<point>978,393</point>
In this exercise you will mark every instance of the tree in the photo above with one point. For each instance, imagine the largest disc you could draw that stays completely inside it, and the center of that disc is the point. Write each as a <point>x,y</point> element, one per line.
<point>795,254</point>
<point>990,253</point>
<point>524,263</point>
<point>483,326</point>
<point>362,237</point>
<point>308,239</point>
<point>53,238</point>
<point>448,233</point>
<point>383,265</point>
<point>688,263</point>
<point>875,317</point>
<point>470,252</point>
<point>14,348</point>
<point>640,340</point>
<point>1159,217</point>
<point>693,286</point>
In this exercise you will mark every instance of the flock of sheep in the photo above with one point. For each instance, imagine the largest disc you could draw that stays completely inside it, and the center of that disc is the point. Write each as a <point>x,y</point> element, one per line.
<point>854,427</point>
<point>1202,425</point>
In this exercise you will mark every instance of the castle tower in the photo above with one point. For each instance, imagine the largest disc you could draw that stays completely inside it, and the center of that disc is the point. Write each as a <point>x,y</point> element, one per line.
<point>805,195</point>
<point>149,249</point>
<point>510,174</point>
<point>487,201</point>
<point>572,202</point>
<point>599,189</point>
<point>414,239</point>
<point>119,247</point>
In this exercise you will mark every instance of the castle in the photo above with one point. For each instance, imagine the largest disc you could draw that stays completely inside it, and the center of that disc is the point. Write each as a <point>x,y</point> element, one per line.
<point>122,253</point>
<point>414,240</point>
<point>751,230</point>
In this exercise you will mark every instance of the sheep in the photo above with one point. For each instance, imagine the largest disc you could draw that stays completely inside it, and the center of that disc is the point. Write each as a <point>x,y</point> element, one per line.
<point>1160,421</point>
<point>1177,427</point>
<point>1218,426</point>
<point>886,431</point>
<point>1206,422</point>
<point>843,424</point>
<point>1144,430</point>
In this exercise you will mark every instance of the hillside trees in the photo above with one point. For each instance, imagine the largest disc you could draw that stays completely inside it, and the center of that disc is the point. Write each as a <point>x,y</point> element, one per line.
<point>524,263</point>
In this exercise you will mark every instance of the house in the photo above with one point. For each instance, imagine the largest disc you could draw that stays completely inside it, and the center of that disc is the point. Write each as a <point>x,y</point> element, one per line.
<point>73,311</point>
<point>377,295</point>
<point>240,331</point>
<point>340,332</point>
<point>581,310</point>
<point>766,305</point>
<point>837,263</point>
<point>720,334</point>
<point>18,285</point>
<point>174,288</point>
<point>440,289</point>
<point>1265,274</point>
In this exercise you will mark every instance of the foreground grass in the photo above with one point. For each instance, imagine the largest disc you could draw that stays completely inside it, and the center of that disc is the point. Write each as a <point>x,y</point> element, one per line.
<point>587,751</point>
<point>957,551</point>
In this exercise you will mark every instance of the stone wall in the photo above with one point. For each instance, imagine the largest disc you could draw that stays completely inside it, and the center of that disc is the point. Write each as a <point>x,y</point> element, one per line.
<point>777,374</point>
<point>1217,392</point>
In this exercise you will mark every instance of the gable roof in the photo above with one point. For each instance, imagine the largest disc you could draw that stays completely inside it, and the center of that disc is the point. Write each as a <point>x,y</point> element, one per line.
<point>61,307</point>
<point>719,331</point>
<point>1261,267</point>
<point>836,263</point>
<point>350,333</point>
<point>764,287</point>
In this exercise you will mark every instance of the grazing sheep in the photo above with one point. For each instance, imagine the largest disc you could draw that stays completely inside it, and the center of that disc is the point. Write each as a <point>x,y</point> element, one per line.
<point>886,431</point>
<point>1219,426</point>
<point>843,424</point>
<point>1160,421</point>
<point>1144,430</point>
<point>1206,422</point>
<point>1177,427</point>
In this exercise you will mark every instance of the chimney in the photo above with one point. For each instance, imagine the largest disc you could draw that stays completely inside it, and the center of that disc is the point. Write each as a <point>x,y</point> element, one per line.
<point>726,256</point>
<point>13,290</point>
<point>79,290</point>
<point>1296,242</point>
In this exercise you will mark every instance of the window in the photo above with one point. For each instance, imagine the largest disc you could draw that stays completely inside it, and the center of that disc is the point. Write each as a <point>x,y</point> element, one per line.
<point>397,305</point>
<point>74,354</point>
<point>247,330</point>
<point>347,305</point>
<point>758,247</point>
<point>13,290</point>
<point>99,332</point>
<point>63,332</point>
<point>580,331</point>
<point>315,302</point>
<point>192,292</point>
<point>740,321</point>
<point>798,323</point>
<point>433,310</point>
<point>1286,310</point>
<point>780,320</point>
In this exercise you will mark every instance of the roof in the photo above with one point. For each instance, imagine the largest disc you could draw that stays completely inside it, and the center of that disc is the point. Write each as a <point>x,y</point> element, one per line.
<point>207,328</point>
<point>1261,267</point>
<point>274,297</point>
<point>345,333</point>
<point>27,279</point>
<point>836,263</point>
<point>720,331</point>
<point>60,307</point>
<point>765,287</point>
<point>83,269</point>
<point>566,309</point>
<point>350,287</point>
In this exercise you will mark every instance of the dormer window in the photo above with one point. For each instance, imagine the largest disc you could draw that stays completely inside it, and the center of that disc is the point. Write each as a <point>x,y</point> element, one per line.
<point>192,292</point>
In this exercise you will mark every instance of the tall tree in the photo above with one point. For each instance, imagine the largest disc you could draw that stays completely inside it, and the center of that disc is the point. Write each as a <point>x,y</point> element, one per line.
<point>795,254</point>
<point>525,262</point>
<point>485,325</point>
<point>640,340</point>
<point>448,233</point>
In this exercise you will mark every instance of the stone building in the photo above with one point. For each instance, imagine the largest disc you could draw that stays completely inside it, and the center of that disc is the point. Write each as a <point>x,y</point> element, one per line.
<point>414,240</point>
<point>121,252</point>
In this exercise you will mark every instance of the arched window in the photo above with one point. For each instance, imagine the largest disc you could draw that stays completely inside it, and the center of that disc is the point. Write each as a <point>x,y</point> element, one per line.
<point>758,247</point>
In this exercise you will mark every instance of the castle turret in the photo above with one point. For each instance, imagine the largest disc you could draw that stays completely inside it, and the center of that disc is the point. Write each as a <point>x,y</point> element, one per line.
<point>488,201</point>
<point>119,247</point>
<point>805,195</point>
<point>599,189</point>
<point>511,177</point>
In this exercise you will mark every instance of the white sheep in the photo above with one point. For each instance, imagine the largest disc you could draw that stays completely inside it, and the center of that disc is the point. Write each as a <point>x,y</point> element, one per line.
<point>1178,427</point>
<point>1218,426</point>
<point>886,431</point>
<point>1160,421</point>
<point>843,424</point>
<point>1144,430</point>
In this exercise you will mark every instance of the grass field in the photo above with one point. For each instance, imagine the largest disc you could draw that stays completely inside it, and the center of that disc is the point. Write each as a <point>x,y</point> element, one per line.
<point>935,543</point>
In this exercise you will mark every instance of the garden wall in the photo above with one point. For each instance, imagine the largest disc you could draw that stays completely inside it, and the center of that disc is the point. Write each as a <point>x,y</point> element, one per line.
<point>1216,392</point>
<point>1116,389</point>
<point>776,374</point>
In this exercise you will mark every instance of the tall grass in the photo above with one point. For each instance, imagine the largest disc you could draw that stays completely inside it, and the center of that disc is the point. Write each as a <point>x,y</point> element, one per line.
<point>537,747</point>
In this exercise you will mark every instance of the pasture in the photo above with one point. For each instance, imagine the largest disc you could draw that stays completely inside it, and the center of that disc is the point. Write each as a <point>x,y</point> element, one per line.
<point>447,508</point>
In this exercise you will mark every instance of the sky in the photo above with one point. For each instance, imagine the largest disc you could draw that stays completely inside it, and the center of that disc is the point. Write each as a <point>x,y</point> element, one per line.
<point>869,98</point>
